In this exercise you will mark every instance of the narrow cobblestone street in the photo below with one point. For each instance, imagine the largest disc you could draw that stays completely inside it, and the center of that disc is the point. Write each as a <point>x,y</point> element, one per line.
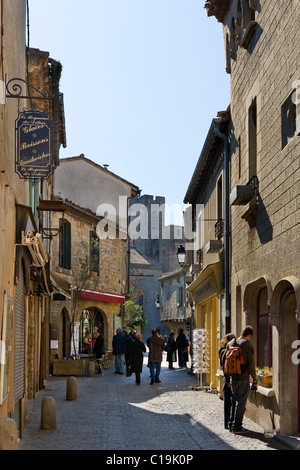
<point>113,413</point>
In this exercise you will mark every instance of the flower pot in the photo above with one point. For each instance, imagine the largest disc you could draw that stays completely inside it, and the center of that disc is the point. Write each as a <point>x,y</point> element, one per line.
<point>265,380</point>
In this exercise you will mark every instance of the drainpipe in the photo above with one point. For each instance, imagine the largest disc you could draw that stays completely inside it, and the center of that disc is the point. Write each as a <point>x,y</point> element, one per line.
<point>227,224</point>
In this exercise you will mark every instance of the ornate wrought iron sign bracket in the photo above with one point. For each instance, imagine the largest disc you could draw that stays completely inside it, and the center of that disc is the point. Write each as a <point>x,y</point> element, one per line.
<point>14,89</point>
<point>34,133</point>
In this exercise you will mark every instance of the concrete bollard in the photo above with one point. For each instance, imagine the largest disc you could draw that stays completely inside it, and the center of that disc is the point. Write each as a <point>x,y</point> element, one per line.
<point>8,434</point>
<point>71,389</point>
<point>48,415</point>
<point>91,369</point>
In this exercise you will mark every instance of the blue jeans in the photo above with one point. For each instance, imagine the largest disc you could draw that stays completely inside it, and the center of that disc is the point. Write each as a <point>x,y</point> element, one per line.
<point>119,362</point>
<point>240,390</point>
<point>153,366</point>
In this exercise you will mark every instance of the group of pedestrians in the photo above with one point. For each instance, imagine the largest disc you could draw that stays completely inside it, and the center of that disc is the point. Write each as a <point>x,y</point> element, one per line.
<point>128,350</point>
<point>236,387</point>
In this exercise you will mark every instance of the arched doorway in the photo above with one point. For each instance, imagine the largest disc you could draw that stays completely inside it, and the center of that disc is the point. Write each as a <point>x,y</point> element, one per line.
<point>285,304</point>
<point>64,334</point>
<point>92,320</point>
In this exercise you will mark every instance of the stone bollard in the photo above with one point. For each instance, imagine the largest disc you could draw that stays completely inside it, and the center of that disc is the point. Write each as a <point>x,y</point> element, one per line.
<point>71,389</point>
<point>8,434</point>
<point>91,369</point>
<point>48,415</point>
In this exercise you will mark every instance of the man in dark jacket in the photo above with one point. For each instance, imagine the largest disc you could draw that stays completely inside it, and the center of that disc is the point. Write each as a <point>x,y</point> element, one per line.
<point>119,345</point>
<point>156,345</point>
<point>240,383</point>
<point>181,344</point>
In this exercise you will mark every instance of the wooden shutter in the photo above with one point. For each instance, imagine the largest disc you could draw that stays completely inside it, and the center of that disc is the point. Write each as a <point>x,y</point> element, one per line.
<point>67,245</point>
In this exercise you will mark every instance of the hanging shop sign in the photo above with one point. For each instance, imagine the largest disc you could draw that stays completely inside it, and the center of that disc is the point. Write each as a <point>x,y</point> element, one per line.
<point>34,142</point>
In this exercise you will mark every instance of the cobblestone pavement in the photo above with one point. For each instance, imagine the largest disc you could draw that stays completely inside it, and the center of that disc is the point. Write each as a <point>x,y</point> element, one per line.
<point>113,413</point>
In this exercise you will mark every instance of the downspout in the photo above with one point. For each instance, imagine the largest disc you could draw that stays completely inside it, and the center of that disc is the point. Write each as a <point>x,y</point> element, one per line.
<point>227,224</point>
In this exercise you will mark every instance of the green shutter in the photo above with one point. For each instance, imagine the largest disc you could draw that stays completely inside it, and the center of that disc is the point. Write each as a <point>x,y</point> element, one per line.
<point>67,245</point>
<point>61,244</point>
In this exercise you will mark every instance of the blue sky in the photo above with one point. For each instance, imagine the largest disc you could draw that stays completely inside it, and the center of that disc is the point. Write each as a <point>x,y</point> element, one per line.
<point>142,80</point>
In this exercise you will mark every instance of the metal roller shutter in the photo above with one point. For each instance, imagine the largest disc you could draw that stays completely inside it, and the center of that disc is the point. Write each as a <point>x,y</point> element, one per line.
<point>20,338</point>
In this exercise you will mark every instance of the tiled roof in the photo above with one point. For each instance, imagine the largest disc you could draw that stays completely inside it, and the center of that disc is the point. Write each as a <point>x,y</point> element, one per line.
<point>139,258</point>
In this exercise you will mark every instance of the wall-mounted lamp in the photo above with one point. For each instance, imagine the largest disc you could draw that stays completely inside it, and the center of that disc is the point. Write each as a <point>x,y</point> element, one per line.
<point>181,254</point>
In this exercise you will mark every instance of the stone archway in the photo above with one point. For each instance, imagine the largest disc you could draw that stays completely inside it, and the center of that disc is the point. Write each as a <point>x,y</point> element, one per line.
<point>252,304</point>
<point>285,316</point>
<point>92,318</point>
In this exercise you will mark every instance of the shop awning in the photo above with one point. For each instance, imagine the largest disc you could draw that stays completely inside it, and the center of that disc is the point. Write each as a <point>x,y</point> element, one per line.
<point>61,285</point>
<point>102,296</point>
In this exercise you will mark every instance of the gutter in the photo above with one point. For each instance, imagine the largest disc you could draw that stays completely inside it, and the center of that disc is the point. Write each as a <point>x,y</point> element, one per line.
<point>216,123</point>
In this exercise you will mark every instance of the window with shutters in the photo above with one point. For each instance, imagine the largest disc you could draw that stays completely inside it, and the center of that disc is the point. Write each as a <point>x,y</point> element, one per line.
<point>65,244</point>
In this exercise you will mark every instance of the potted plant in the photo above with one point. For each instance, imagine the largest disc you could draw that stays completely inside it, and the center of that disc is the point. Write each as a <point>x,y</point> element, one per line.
<point>264,376</point>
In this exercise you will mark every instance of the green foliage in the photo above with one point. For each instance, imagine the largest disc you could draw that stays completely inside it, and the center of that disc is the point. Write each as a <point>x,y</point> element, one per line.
<point>134,314</point>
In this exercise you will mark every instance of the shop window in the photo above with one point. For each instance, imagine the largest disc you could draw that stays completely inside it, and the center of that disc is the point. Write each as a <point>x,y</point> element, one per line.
<point>264,332</point>
<point>65,244</point>
<point>288,114</point>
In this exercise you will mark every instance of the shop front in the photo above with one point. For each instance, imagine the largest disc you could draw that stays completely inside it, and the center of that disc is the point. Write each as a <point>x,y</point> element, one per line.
<point>96,312</point>
<point>274,314</point>
<point>207,292</point>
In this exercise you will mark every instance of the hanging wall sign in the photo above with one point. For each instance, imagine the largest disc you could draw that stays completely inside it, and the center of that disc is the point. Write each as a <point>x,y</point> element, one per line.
<point>34,156</point>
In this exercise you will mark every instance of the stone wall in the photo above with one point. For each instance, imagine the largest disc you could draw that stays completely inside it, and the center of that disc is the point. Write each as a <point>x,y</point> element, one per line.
<point>112,273</point>
<point>266,73</point>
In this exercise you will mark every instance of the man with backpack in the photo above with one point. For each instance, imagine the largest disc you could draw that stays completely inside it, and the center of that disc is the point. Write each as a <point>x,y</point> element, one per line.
<point>240,364</point>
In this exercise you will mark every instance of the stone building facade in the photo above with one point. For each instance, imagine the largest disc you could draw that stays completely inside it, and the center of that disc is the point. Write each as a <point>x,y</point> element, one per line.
<point>89,291</point>
<point>25,285</point>
<point>145,272</point>
<point>89,266</point>
<point>206,255</point>
<point>175,309</point>
<point>263,57</point>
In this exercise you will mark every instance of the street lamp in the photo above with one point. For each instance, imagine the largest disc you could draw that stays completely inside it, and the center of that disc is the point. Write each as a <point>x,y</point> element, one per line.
<point>181,254</point>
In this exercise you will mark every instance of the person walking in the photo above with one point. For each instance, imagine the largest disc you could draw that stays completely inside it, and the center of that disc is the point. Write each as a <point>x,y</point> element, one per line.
<point>156,346</point>
<point>132,332</point>
<point>119,350</point>
<point>182,344</point>
<point>138,348</point>
<point>240,383</point>
<point>99,349</point>
<point>128,354</point>
<point>171,350</point>
<point>226,378</point>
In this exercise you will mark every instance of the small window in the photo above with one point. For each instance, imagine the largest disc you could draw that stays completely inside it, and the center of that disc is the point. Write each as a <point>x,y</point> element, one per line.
<point>65,244</point>
<point>288,120</point>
